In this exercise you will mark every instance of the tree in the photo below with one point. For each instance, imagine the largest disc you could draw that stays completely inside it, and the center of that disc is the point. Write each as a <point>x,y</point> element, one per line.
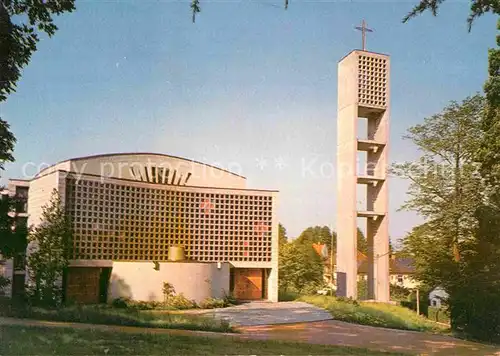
<point>478,8</point>
<point>283,239</point>
<point>13,234</point>
<point>318,234</point>
<point>362,243</point>
<point>489,155</point>
<point>458,247</point>
<point>21,22</point>
<point>445,186</point>
<point>300,268</point>
<point>48,253</point>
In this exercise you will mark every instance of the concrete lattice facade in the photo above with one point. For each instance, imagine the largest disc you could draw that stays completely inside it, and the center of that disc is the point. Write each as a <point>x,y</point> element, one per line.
<point>126,211</point>
<point>363,94</point>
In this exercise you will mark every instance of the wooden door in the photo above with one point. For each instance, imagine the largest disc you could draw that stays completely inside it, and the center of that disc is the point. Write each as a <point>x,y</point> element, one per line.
<point>248,283</point>
<point>82,285</point>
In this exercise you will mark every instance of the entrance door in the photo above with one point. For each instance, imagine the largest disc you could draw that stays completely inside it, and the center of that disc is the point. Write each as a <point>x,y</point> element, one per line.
<point>248,283</point>
<point>82,285</point>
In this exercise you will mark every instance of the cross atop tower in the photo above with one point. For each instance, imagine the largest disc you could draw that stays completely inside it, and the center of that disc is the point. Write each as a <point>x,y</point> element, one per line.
<point>363,30</point>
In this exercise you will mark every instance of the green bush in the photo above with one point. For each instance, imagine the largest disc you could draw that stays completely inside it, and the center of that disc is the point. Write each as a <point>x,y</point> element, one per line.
<point>440,315</point>
<point>399,293</point>
<point>412,305</point>
<point>230,299</point>
<point>363,289</point>
<point>120,303</point>
<point>288,295</point>
<point>212,303</point>
<point>179,301</point>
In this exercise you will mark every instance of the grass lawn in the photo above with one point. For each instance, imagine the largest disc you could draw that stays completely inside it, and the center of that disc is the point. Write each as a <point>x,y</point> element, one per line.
<point>374,314</point>
<point>19,340</point>
<point>103,314</point>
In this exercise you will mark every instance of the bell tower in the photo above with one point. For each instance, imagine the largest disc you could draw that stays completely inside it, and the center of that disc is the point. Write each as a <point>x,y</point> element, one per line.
<point>363,98</point>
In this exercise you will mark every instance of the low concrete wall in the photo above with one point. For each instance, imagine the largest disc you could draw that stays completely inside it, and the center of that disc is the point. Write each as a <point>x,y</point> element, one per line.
<point>141,281</point>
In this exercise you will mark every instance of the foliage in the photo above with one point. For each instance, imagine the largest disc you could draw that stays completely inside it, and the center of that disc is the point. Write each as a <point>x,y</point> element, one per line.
<point>362,244</point>
<point>21,340</point>
<point>439,315</point>
<point>399,293</point>
<point>445,188</point>
<point>478,8</point>
<point>287,295</point>
<point>179,301</point>
<point>458,247</point>
<point>7,139</point>
<point>13,242</point>
<point>4,282</point>
<point>120,303</point>
<point>283,238</point>
<point>374,314</point>
<point>168,291</point>
<point>230,299</point>
<point>362,289</point>
<point>212,303</point>
<point>21,23</point>
<point>300,267</point>
<point>318,234</point>
<point>102,314</point>
<point>489,155</point>
<point>48,253</point>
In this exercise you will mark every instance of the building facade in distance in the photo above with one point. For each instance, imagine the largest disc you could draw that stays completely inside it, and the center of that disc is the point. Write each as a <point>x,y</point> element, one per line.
<point>128,210</point>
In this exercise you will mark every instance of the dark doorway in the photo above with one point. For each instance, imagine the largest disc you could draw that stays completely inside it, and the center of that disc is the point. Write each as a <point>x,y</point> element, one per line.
<point>104,284</point>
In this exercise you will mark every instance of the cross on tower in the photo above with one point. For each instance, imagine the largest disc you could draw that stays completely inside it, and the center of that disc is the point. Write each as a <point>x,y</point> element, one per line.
<point>363,30</point>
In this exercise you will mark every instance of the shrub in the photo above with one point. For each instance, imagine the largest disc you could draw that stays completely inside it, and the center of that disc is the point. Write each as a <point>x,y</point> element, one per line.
<point>212,303</point>
<point>440,315</point>
<point>399,293</point>
<point>230,299</point>
<point>179,301</point>
<point>362,289</point>
<point>144,305</point>
<point>4,282</point>
<point>168,291</point>
<point>287,295</point>
<point>120,303</point>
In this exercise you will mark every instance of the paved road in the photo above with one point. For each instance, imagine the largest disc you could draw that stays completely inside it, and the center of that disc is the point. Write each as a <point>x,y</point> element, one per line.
<point>333,332</point>
<point>330,332</point>
<point>267,313</point>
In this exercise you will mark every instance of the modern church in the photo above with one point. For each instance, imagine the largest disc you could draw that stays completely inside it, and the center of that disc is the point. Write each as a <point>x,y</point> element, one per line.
<point>142,219</point>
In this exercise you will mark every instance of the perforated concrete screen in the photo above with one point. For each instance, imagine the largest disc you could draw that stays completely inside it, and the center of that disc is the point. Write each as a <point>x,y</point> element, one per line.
<point>372,80</point>
<point>131,221</point>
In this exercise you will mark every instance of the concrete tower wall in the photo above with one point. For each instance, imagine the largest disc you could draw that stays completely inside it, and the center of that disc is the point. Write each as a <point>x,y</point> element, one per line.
<point>363,93</point>
<point>346,178</point>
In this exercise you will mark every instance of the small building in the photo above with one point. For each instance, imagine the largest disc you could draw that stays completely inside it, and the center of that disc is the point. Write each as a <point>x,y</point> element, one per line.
<point>401,269</point>
<point>128,210</point>
<point>438,297</point>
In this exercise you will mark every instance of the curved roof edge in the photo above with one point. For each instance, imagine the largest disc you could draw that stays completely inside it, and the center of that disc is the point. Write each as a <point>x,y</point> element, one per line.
<point>136,154</point>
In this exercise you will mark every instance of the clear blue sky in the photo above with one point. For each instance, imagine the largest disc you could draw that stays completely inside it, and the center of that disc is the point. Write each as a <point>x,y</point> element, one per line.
<point>249,85</point>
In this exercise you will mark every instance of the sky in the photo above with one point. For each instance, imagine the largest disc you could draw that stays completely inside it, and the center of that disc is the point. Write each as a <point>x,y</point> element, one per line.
<point>249,87</point>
